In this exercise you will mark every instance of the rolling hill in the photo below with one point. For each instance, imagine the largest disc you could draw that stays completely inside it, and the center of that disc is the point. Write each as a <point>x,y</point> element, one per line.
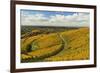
<point>63,45</point>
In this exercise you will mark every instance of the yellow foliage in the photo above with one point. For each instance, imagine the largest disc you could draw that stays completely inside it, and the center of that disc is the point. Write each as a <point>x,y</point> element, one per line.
<point>76,46</point>
<point>25,57</point>
<point>48,40</point>
<point>46,51</point>
<point>27,41</point>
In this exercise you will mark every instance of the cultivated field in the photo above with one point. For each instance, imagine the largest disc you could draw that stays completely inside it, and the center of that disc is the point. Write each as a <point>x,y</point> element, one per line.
<point>50,44</point>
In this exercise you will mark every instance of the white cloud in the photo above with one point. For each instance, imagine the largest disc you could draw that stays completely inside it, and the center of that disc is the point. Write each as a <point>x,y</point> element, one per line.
<point>77,19</point>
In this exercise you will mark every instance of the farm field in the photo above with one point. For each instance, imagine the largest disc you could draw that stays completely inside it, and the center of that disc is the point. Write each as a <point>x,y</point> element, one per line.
<point>54,44</point>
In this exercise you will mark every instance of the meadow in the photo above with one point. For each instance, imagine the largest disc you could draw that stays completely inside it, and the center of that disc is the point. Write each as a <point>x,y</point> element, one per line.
<point>43,44</point>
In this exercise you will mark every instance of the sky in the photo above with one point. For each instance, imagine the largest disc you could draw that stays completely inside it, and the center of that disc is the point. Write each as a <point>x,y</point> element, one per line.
<point>54,18</point>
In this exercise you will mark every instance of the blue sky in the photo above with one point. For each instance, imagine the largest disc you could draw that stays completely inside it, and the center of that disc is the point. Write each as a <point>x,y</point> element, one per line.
<point>46,13</point>
<point>53,18</point>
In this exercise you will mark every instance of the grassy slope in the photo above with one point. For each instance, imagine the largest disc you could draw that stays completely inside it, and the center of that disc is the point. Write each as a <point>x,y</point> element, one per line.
<point>76,45</point>
<point>47,45</point>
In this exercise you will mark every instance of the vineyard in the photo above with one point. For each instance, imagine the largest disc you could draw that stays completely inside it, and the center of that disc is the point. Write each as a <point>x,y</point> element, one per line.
<point>60,45</point>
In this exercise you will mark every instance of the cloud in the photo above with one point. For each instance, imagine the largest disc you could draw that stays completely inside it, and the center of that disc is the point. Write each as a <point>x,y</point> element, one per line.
<point>74,20</point>
<point>32,19</point>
